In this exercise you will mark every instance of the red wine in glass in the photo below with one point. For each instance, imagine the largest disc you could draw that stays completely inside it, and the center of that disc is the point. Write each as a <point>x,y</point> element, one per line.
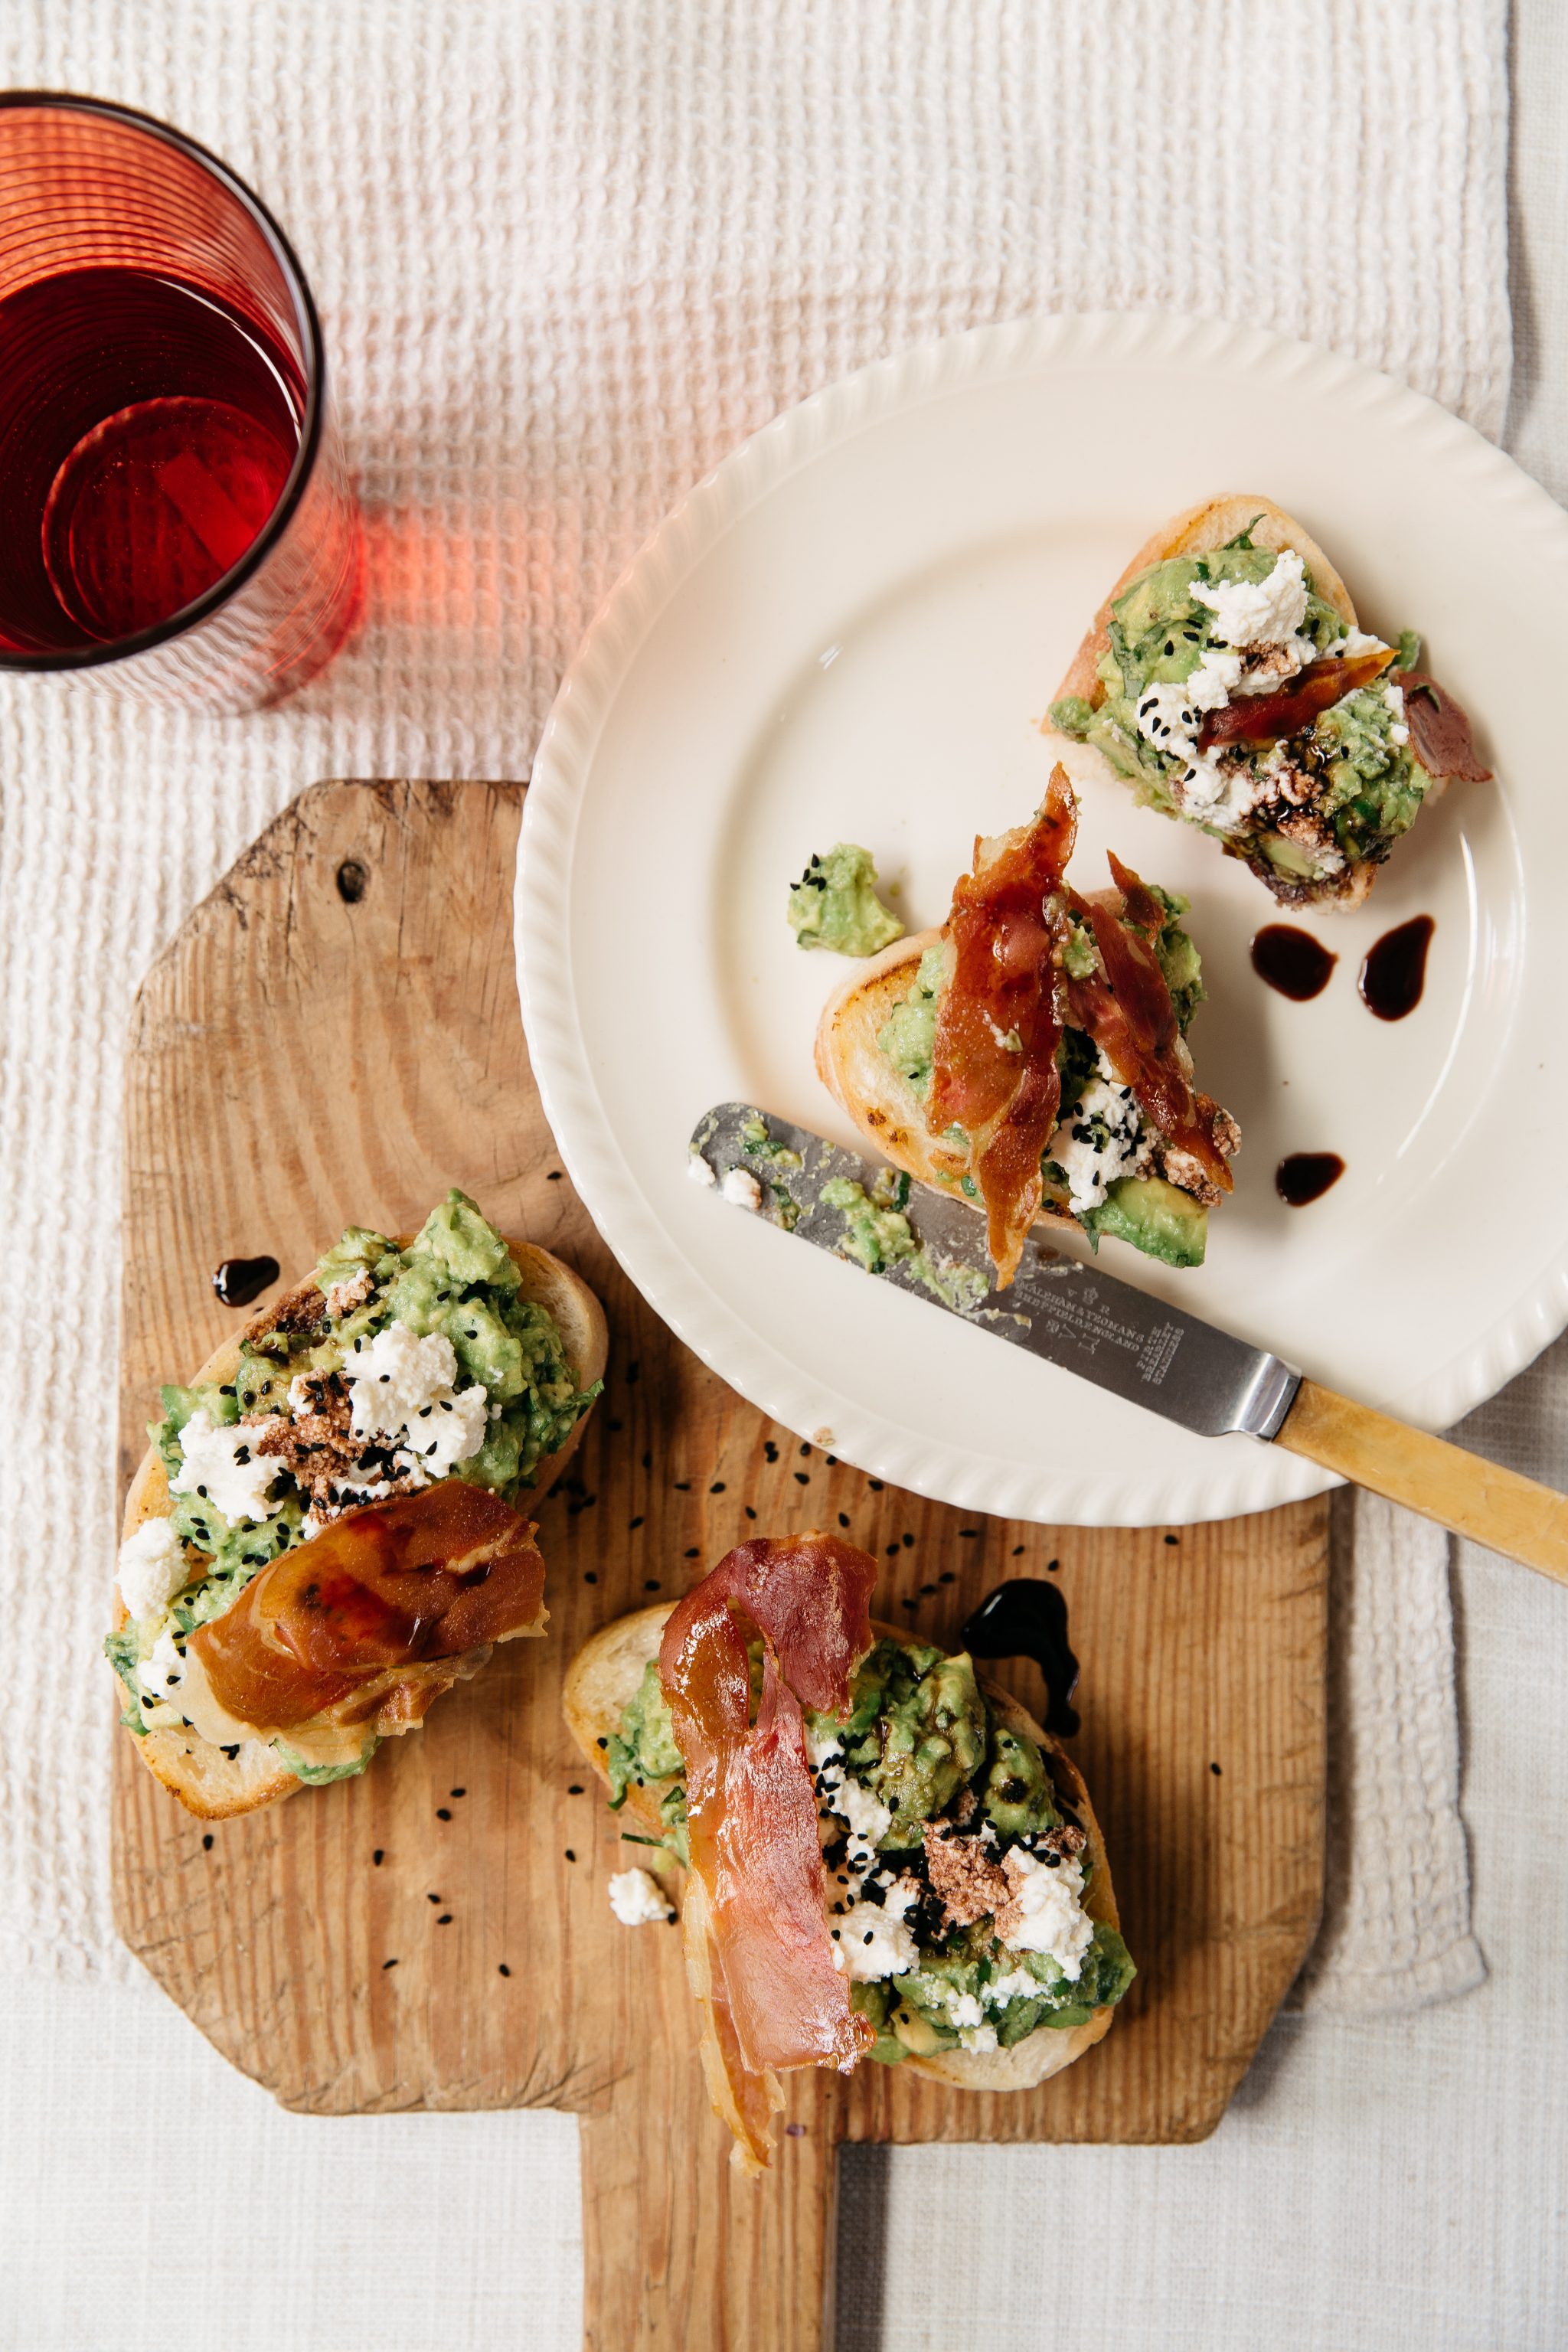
<point>147,430</point>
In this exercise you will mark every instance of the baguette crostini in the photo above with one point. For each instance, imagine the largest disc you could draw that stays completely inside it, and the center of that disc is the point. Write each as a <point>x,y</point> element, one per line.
<point>888,1857</point>
<point>1031,1056</point>
<point>325,1532</point>
<point>1227,679</point>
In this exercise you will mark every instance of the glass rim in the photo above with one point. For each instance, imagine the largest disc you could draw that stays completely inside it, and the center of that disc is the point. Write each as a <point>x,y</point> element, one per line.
<point>228,582</point>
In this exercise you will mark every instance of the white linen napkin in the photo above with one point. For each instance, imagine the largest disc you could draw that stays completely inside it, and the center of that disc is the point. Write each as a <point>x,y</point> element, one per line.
<point>568,255</point>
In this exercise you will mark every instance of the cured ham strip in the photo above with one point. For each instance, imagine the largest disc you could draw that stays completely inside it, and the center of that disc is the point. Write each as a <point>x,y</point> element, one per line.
<point>1265,717</point>
<point>427,1576</point>
<point>1441,732</point>
<point>746,2102</point>
<point>774,1997</point>
<point>1126,1008</point>
<point>993,1071</point>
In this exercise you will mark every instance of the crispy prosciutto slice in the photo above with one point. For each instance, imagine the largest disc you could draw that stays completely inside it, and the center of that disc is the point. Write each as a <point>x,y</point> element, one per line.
<point>1265,717</point>
<point>1440,731</point>
<point>405,1584</point>
<point>762,1964</point>
<point>1125,1006</point>
<point>998,1025</point>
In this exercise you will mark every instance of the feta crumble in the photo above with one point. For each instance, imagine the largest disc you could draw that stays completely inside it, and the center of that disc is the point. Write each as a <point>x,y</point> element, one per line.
<point>865,1817</point>
<point>401,1390</point>
<point>1267,612</point>
<point>872,1941</point>
<point>699,1170</point>
<point>1090,1164</point>
<point>1049,1913</point>
<point>150,1569</point>
<point>160,1673</point>
<point>637,1899</point>
<point>741,1187</point>
<point>217,1464</point>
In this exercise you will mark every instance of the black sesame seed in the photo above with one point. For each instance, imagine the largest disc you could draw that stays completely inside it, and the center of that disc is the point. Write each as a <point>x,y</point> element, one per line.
<point>717,1488</point>
<point>379,1856</point>
<point>683,1485</point>
<point>389,1964</point>
<point>909,1542</point>
<point>573,1788</point>
<point>1017,1551</point>
<point>802,1477</point>
<point>502,1969</point>
<point>770,1450</point>
<point>875,1484</point>
<point>650,1584</point>
<point>1171,1539</point>
<point>443,1812</point>
<point>590,1578</point>
<point>1214,1770</point>
<point>750,1513</point>
<point>570,1855</point>
<point>445,1920</point>
<point>601,1743</point>
<point>432,1898</point>
<point>1052,1566</point>
<point>207,1843</point>
<point>456,1792</point>
<point>844,1518</point>
<point>632,1524</point>
<point>690,1552</point>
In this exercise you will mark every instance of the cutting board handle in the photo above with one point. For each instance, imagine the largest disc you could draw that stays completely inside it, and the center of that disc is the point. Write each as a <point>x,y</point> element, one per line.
<point>1462,1491</point>
<point>680,2252</point>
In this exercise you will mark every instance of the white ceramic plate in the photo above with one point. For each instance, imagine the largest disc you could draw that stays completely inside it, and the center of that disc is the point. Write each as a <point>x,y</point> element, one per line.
<point>851,631</point>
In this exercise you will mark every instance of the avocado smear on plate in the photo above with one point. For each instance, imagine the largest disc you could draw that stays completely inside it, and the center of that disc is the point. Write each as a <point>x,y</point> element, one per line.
<point>835,904</point>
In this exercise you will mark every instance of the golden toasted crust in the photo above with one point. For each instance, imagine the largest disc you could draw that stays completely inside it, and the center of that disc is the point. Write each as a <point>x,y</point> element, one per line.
<point>883,1106</point>
<point>207,1780</point>
<point>605,1674</point>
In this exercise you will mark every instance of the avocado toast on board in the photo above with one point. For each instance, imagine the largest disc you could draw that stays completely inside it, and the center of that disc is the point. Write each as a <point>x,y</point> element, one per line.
<point>1226,680</point>
<point>326,1532</point>
<point>889,1857</point>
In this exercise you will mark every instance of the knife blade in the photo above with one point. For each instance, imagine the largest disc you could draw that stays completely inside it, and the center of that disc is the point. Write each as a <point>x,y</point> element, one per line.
<point>1066,1313</point>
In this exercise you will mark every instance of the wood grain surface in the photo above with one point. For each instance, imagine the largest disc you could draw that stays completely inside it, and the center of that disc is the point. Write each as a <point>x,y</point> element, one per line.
<point>333,1036</point>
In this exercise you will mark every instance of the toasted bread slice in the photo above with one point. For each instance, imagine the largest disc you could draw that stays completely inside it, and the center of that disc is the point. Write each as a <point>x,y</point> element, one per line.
<point>605,1675</point>
<point>209,1780</point>
<point>1200,529</point>
<point>880,1101</point>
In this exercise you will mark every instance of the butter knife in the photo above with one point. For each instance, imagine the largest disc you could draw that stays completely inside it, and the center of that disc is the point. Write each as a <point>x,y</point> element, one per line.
<point>1089,1323</point>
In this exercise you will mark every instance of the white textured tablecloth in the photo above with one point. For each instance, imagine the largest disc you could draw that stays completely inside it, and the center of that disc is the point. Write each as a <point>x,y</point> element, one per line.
<point>567,255</point>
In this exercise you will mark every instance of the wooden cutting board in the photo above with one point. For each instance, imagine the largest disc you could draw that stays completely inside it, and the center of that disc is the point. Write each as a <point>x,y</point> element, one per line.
<point>333,1036</point>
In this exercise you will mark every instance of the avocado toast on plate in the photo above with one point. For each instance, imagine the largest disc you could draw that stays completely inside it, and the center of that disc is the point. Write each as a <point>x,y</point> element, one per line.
<point>1226,680</point>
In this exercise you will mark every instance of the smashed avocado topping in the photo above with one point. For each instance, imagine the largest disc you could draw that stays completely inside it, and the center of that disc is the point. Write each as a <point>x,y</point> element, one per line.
<point>400,1368</point>
<point>1104,1166</point>
<point>1198,633</point>
<point>955,1868</point>
<point>835,904</point>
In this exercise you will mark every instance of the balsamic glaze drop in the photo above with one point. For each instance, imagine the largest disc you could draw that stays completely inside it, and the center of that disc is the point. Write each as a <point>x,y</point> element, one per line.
<point>1293,962</point>
<point>1395,973</point>
<point>238,1280</point>
<point>1307,1176</point>
<point>1028,1619</point>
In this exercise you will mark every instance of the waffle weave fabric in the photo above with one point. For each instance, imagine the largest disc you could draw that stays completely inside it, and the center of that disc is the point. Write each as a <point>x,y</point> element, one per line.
<point>567,257</point>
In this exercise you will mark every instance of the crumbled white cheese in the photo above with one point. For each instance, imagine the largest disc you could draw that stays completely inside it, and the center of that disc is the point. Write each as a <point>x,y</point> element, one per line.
<point>151,1569</point>
<point>700,1170</point>
<point>218,1465</point>
<point>1267,612</point>
<point>871,1940</point>
<point>402,1391</point>
<point>1049,1902</point>
<point>977,2037</point>
<point>1395,698</point>
<point>1090,1167</point>
<point>160,1674</point>
<point>865,1817</point>
<point>741,1187</point>
<point>637,1899</point>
